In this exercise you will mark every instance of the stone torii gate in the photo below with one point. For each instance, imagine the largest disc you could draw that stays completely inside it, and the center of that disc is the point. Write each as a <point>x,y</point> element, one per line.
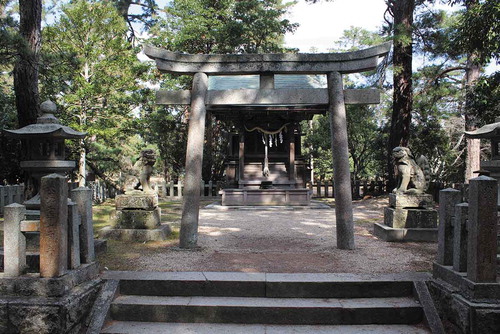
<point>332,99</point>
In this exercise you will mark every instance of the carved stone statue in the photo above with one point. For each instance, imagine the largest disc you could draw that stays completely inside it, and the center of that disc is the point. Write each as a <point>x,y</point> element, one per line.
<point>144,166</point>
<point>411,178</point>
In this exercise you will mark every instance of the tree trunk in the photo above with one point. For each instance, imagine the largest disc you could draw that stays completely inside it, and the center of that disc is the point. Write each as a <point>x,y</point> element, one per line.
<point>26,68</point>
<point>403,94</point>
<point>82,165</point>
<point>472,72</point>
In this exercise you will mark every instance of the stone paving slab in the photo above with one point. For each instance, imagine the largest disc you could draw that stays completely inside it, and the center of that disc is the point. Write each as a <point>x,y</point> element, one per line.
<point>269,277</point>
<point>207,328</point>
<point>280,311</point>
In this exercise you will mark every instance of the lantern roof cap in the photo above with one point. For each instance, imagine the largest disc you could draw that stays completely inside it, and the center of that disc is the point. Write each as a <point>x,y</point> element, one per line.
<point>46,125</point>
<point>487,131</point>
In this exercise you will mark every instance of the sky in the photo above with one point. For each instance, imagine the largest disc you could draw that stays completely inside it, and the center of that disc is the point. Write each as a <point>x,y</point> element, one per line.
<point>323,23</point>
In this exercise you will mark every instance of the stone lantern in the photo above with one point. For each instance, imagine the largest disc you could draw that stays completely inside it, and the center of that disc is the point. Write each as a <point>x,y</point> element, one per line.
<point>491,132</point>
<point>44,148</point>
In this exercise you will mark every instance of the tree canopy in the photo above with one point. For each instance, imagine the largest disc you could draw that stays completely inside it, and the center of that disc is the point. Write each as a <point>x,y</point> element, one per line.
<point>89,66</point>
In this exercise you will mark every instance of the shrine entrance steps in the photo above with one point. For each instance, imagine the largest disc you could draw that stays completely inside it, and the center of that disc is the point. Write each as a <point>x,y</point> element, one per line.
<point>258,303</point>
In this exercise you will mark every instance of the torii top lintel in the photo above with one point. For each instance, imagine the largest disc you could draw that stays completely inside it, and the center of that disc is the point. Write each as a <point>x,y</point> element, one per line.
<point>300,63</point>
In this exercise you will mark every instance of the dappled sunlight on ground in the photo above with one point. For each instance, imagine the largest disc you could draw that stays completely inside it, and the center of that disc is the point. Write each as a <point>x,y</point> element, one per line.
<point>277,241</point>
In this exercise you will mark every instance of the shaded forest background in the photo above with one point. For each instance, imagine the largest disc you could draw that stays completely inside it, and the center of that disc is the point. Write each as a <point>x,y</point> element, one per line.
<point>83,55</point>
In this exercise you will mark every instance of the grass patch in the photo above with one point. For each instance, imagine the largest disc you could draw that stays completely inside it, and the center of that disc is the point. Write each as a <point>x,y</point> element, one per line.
<point>102,214</point>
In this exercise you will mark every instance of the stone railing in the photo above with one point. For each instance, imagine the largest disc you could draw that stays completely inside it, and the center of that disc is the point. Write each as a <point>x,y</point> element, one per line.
<point>11,194</point>
<point>468,231</point>
<point>65,226</point>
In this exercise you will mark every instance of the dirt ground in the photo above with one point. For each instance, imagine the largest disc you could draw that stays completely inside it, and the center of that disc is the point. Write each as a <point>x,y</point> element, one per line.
<point>276,241</point>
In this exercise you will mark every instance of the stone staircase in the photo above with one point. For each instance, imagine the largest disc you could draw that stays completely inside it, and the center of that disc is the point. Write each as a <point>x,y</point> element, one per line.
<point>197,303</point>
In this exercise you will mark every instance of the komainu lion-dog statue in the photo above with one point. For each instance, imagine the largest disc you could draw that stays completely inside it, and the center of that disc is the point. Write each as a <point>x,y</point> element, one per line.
<point>412,176</point>
<point>144,169</point>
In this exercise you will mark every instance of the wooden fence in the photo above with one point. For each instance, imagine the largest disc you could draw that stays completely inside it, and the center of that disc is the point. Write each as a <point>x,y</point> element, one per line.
<point>210,189</point>
<point>101,191</point>
<point>359,188</point>
<point>171,190</point>
<point>436,187</point>
<point>15,193</point>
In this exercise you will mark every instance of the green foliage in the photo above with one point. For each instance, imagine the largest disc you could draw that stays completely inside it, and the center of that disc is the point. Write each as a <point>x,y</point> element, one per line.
<point>93,72</point>
<point>365,142</point>
<point>485,98</point>
<point>9,148</point>
<point>436,35</point>
<point>209,26</point>
<point>223,26</point>
<point>9,37</point>
<point>364,136</point>
<point>167,128</point>
<point>479,30</point>
<point>317,145</point>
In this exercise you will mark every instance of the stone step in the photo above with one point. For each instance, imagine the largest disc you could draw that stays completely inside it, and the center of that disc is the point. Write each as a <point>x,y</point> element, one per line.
<point>125,327</point>
<point>280,311</point>
<point>262,285</point>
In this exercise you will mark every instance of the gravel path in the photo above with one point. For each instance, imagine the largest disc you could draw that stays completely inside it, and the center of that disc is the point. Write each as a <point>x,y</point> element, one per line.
<point>278,241</point>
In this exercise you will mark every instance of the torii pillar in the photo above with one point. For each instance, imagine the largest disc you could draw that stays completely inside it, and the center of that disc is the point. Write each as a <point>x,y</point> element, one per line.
<point>341,167</point>
<point>194,163</point>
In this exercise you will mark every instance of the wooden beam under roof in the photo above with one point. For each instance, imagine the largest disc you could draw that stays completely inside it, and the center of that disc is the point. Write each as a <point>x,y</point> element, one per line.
<point>289,63</point>
<point>268,97</point>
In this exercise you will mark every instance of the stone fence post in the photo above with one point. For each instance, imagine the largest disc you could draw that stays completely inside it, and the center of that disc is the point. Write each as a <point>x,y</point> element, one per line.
<point>448,198</point>
<point>82,196</point>
<point>482,230</point>
<point>53,226</point>
<point>460,237</point>
<point>14,240</point>
<point>74,222</point>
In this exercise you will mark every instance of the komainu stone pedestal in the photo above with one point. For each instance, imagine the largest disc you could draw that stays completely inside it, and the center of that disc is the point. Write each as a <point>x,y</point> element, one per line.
<point>409,217</point>
<point>138,218</point>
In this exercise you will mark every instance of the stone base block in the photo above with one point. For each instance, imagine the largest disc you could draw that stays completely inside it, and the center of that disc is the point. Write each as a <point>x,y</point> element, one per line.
<point>137,200</point>
<point>48,306</point>
<point>390,234</point>
<point>137,219</point>
<point>410,218</point>
<point>136,235</point>
<point>411,200</point>
<point>34,286</point>
<point>465,306</point>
